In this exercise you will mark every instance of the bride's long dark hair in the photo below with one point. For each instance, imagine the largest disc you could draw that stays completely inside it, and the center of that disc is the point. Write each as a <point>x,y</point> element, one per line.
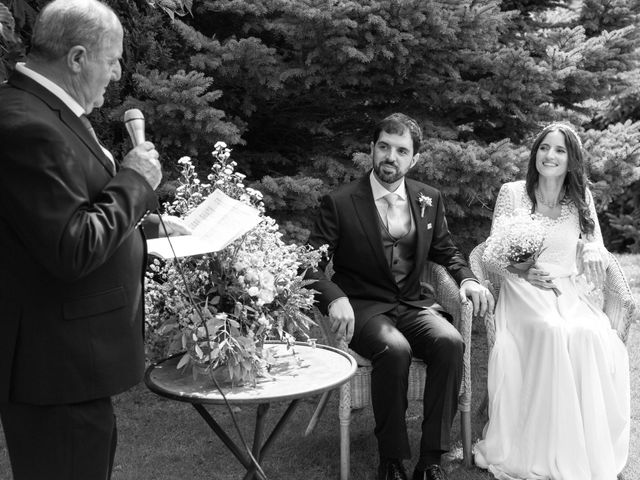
<point>575,182</point>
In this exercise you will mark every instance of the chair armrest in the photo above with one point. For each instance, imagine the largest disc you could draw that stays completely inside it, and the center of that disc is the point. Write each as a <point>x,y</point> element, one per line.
<point>447,291</point>
<point>491,281</point>
<point>447,294</point>
<point>619,303</point>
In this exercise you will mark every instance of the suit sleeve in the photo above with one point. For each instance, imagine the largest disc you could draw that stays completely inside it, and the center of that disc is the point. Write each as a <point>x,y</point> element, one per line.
<point>443,251</point>
<point>326,231</point>
<point>66,211</point>
<point>151,226</point>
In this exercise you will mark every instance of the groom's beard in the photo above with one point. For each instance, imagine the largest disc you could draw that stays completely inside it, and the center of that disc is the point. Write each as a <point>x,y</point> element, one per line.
<point>390,173</point>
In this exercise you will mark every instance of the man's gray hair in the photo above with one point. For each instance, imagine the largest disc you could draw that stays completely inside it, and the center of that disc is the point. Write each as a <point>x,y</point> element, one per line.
<point>63,24</point>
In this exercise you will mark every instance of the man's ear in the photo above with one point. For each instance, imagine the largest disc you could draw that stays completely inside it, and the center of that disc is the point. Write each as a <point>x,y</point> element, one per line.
<point>76,58</point>
<point>372,145</point>
<point>414,160</point>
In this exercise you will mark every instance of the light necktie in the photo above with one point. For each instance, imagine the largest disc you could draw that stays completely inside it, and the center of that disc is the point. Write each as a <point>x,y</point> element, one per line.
<point>397,218</point>
<point>85,121</point>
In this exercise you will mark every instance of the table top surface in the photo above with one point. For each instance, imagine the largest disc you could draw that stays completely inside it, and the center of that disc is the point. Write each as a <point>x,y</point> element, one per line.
<point>308,371</point>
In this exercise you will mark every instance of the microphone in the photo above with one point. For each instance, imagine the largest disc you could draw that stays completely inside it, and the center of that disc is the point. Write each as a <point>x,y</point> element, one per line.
<point>134,122</point>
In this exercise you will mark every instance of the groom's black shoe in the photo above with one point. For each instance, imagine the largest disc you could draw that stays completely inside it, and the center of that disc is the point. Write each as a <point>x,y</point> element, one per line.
<point>391,469</point>
<point>432,472</point>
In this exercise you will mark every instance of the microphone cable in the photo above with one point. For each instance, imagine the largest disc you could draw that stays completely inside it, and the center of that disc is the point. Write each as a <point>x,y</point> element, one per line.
<point>255,463</point>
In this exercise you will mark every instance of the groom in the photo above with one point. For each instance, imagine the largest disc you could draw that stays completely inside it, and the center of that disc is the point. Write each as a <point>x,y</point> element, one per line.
<point>381,229</point>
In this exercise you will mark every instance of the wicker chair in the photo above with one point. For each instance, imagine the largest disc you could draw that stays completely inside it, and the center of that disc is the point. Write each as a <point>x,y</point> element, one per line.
<point>618,302</point>
<point>357,392</point>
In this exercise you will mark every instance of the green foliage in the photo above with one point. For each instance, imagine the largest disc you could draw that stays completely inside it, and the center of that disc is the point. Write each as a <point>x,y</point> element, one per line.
<point>179,111</point>
<point>7,36</point>
<point>614,158</point>
<point>292,198</point>
<point>173,7</point>
<point>296,87</point>
<point>15,24</point>
<point>478,84</point>
<point>628,225</point>
<point>624,220</point>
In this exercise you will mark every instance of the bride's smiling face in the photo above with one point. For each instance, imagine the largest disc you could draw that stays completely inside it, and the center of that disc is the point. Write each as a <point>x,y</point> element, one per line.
<point>552,159</point>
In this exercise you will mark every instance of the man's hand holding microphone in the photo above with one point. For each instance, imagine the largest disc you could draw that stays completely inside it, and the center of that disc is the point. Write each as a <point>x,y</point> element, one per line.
<point>143,158</point>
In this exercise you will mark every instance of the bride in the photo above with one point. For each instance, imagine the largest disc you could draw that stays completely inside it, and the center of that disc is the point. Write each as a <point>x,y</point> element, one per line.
<point>558,373</point>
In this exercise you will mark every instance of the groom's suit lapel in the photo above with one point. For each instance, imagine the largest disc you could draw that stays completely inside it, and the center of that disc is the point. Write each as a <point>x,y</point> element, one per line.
<point>368,217</point>
<point>421,221</point>
<point>367,213</point>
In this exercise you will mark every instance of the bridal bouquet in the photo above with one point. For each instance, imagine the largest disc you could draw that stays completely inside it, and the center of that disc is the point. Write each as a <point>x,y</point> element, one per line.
<point>219,308</point>
<point>516,242</point>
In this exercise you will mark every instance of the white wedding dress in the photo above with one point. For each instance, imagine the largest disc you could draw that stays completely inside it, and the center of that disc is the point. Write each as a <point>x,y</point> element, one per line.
<point>558,373</point>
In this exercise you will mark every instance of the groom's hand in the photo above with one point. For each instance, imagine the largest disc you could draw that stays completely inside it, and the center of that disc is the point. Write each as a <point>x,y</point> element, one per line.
<point>483,301</point>
<point>342,318</point>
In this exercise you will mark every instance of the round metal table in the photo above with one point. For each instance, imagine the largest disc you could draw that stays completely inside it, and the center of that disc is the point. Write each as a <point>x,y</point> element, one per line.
<point>310,371</point>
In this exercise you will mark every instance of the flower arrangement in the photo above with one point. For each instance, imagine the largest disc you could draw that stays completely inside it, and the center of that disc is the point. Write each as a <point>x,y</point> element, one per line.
<point>516,242</point>
<point>222,306</point>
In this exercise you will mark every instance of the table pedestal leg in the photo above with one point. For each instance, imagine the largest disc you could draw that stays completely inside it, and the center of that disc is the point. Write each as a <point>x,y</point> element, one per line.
<point>263,408</point>
<point>259,449</point>
<point>240,454</point>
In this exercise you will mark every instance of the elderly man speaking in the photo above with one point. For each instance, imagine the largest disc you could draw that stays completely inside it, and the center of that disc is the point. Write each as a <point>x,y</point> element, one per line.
<point>71,276</point>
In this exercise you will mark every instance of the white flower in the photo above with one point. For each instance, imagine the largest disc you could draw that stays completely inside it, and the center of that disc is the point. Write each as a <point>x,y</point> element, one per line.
<point>515,238</point>
<point>266,295</point>
<point>424,201</point>
<point>253,291</point>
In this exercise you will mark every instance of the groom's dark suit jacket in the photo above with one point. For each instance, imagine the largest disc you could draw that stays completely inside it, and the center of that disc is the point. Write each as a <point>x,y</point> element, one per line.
<point>348,222</point>
<point>71,272</point>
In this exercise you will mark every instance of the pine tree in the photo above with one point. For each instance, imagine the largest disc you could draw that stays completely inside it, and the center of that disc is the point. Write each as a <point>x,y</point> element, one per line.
<point>306,80</point>
<point>295,88</point>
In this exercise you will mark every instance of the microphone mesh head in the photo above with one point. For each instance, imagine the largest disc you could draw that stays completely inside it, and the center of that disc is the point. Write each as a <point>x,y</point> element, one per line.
<point>133,114</point>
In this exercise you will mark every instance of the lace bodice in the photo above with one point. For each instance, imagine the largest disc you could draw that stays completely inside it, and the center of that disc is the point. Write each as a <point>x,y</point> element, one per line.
<point>561,235</point>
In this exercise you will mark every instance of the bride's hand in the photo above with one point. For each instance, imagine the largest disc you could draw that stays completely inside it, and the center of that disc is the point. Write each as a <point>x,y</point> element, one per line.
<point>539,278</point>
<point>592,263</point>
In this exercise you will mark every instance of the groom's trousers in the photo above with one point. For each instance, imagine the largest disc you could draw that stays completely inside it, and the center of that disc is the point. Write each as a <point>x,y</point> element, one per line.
<point>389,341</point>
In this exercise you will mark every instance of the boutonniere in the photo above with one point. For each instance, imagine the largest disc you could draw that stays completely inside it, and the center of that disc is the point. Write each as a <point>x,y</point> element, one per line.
<point>424,202</point>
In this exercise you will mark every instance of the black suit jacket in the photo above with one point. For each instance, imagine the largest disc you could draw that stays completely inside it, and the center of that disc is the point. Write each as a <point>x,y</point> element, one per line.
<point>71,274</point>
<point>348,223</point>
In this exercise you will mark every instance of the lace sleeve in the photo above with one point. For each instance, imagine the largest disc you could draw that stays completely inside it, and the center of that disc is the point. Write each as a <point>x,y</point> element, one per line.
<point>504,207</point>
<point>596,236</point>
<point>592,246</point>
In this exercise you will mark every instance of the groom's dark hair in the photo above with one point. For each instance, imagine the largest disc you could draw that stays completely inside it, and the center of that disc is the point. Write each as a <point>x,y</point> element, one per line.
<point>396,124</point>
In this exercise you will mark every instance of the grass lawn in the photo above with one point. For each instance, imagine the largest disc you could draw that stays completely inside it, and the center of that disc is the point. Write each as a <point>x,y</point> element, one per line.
<point>166,440</point>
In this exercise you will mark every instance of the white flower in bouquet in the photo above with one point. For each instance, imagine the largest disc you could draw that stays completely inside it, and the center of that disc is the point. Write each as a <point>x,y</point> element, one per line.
<point>516,239</point>
<point>220,307</point>
<point>516,242</point>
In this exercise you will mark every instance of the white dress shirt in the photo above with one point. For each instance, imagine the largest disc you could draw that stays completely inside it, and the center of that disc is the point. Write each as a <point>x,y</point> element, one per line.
<point>379,194</point>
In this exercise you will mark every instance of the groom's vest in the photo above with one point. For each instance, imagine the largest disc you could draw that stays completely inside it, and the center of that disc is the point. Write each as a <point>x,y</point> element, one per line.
<point>399,253</point>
